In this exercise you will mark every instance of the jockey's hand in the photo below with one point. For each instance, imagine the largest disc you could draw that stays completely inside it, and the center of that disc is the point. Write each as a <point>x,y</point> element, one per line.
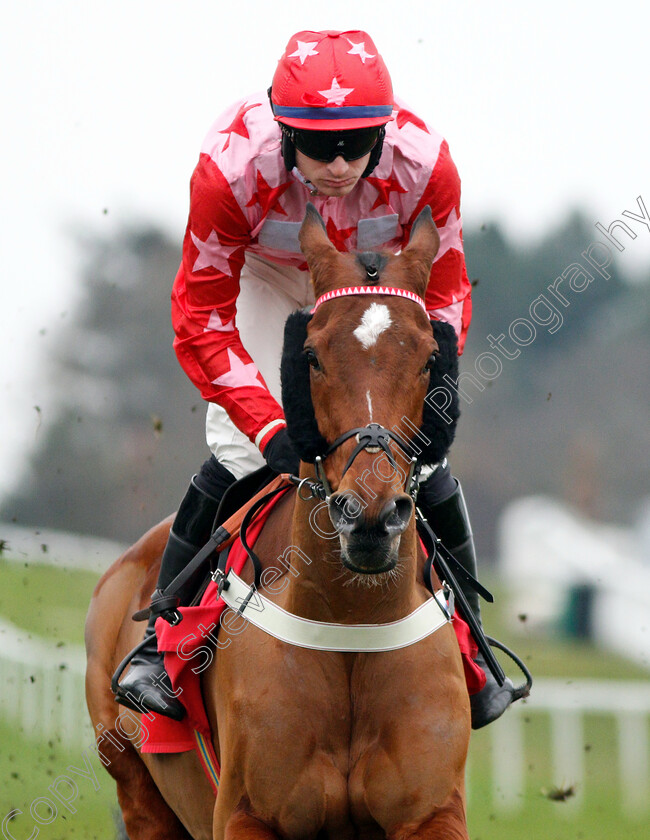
<point>280,454</point>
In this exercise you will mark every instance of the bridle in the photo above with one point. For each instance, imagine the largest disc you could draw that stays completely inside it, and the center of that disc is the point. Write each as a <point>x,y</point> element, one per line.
<point>372,438</point>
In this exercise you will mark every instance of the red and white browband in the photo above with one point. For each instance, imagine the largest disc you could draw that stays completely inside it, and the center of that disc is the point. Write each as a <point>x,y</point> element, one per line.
<point>369,290</point>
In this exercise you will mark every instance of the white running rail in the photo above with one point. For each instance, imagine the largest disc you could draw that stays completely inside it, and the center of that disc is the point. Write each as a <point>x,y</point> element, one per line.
<point>42,687</point>
<point>567,703</point>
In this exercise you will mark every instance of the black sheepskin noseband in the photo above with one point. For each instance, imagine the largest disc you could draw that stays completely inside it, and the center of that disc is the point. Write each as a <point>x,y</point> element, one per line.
<point>299,410</point>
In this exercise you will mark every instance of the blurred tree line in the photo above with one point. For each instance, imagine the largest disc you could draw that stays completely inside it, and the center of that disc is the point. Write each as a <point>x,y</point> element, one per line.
<point>566,416</point>
<point>129,429</point>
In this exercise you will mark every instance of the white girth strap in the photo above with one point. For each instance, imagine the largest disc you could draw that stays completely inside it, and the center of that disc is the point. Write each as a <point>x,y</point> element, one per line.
<point>321,635</point>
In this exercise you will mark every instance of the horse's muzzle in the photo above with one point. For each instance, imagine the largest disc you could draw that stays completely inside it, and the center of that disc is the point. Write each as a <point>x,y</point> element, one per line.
<point>369,545</point>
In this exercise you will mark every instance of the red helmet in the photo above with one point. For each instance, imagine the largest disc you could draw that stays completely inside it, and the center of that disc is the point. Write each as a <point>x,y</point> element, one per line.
<point>331,81</point>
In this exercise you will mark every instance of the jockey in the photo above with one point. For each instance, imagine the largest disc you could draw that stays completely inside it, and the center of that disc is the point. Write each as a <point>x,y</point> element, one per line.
<point>329,131</point>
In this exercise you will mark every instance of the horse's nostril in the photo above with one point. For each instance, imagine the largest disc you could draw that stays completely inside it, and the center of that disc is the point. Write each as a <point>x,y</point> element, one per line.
<point>346,512</point>
<point>396,514</point>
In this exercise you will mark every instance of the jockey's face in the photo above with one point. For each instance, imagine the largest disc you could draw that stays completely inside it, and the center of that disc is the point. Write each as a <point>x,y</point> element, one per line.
<point>336,178</point>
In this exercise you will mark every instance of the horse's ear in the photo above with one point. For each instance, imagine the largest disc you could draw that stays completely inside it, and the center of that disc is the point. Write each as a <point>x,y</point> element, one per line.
<point>315,243</point>
<point>424,241</point>
<point>312,216</point>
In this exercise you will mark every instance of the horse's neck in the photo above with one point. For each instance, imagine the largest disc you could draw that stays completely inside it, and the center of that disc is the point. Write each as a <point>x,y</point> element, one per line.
<point>322,589</point>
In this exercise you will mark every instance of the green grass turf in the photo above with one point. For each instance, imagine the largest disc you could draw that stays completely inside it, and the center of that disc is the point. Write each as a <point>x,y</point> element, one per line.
<point>46,600</point>
<point>29,767</point>
<point>50,603</point>
<point>598,816</point>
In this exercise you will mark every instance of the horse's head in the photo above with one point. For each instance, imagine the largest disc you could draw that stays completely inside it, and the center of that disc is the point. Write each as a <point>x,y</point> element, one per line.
<point>370,356</point>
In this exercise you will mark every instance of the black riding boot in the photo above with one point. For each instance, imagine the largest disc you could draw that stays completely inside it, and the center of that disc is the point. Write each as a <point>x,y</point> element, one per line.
<point>450,523</point>
<point>146,685</point>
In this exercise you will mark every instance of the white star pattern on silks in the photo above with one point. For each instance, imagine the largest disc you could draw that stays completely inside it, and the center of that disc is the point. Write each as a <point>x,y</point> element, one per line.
<point>239,375</point>
<point>450,235</point>
<point>360,50</point>
<point>336,94</point>
<point>212,253</point>
<point>217,325</point>
<point>305,49</point>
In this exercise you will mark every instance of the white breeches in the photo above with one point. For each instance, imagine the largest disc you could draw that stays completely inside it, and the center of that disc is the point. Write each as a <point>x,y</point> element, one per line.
<point>268,294</point>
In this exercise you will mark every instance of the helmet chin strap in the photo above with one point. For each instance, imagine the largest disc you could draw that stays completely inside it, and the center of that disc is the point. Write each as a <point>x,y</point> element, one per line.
<point>375,153</point>
<point>312,189</point>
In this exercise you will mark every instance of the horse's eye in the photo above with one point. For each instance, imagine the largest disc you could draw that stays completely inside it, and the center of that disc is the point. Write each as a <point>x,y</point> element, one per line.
<point>312,358</point>
<point>430,363</point>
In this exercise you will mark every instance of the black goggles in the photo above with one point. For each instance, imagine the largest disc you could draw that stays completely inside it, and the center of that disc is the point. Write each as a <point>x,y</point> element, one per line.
<point>326,146</point>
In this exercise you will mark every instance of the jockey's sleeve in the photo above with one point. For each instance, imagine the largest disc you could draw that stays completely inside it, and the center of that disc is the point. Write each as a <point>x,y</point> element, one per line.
<point>204,297</point>
<point>448,297</point>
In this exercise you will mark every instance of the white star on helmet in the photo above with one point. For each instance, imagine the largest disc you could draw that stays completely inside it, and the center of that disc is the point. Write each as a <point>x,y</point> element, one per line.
<point>336,94</point>
<point>360,50</point>
<point>305,49</point>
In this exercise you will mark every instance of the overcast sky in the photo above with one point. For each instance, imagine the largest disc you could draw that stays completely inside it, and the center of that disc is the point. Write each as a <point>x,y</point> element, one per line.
<point>105,103</point>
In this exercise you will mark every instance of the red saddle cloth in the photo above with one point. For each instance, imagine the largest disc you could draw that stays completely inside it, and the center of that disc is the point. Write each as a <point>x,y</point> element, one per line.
<point>190,646</point>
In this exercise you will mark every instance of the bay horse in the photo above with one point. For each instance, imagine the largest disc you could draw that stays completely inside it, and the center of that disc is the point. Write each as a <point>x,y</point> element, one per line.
<point>315,743</point>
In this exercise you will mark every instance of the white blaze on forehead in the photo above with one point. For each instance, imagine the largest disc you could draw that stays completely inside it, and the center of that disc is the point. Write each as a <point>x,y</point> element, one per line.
<point>374,321</point>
